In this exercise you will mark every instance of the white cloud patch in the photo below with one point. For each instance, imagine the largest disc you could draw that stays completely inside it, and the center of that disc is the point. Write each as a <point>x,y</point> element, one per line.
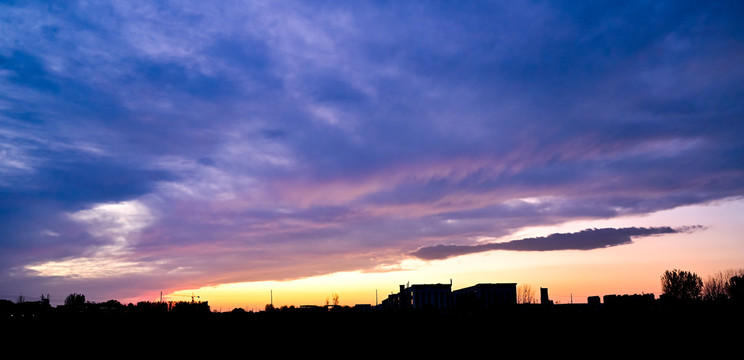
<point>115,222</point>
<point>89,268</point>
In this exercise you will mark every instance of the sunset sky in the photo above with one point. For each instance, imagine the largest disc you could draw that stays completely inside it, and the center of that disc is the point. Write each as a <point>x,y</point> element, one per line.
<point>245,151</point>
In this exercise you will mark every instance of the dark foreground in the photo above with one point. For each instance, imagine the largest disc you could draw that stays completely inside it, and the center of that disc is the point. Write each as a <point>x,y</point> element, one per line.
<point>529,331</point>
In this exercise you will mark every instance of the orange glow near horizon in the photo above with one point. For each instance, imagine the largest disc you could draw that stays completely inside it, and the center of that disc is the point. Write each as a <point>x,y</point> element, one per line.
<point>570,276</point>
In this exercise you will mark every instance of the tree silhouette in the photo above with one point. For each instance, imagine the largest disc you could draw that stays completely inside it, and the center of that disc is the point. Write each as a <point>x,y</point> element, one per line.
<point>75,300</point>
<point>681,285</point>
<point>736,288</point>
<point>717,287</point>
<point>525,294</point>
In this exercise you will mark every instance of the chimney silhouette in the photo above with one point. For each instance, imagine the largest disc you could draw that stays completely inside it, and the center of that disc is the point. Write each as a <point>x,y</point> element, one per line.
<point>544,297</point>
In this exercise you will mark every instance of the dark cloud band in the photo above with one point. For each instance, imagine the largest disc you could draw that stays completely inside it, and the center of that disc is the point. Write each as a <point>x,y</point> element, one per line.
<point>588,239</point>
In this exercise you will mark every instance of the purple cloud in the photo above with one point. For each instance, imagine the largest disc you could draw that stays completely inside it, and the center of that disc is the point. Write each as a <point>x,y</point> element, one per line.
<point>176,142</point>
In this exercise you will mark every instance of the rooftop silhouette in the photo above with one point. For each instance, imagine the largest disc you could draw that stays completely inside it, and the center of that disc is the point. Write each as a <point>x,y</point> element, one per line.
<point>429,314</point>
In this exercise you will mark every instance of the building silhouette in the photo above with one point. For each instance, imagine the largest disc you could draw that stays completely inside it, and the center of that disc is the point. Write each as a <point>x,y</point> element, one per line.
<point>485,296</point>
<point>420,297</point>
<point>441,297</point>
<point>544,299</point>
<point>629,300</point>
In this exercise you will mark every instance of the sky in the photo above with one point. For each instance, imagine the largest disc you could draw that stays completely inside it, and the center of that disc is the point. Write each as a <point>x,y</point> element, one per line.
<point>249,152</point>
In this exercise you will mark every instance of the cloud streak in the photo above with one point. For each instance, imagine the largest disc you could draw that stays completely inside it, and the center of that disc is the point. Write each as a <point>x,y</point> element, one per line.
<point>589,239</point>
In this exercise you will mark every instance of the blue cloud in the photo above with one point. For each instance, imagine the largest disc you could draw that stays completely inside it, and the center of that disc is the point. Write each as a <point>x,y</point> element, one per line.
<point>27,70</point>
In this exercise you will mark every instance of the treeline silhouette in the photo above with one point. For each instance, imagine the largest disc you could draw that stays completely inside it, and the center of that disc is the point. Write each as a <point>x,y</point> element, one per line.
<point>679,287</point>
<point>75,305</point>
<point>689,306</point>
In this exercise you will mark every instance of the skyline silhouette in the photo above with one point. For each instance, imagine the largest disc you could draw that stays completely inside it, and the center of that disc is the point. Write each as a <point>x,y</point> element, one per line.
<point>419,317</point>
<point>678,286</point>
